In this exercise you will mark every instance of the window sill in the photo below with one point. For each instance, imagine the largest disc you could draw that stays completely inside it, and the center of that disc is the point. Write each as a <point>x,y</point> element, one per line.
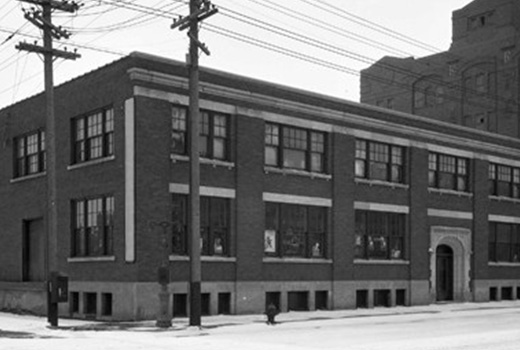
<point>297,260</point>
<point>442,191</point>
<point>504,199</point>
<point>204,258</point>
<point>380,262</point>
<point>91,259</point>
<point>91,162</point>
<point>207,161</point>
<point>381,183</point>
<point>503,264</point>
<point>28,177</point>
<point>283,171</point>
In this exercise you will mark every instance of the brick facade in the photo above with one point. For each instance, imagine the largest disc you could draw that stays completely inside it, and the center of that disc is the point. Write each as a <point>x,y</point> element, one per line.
<point>143,175</point>
<point>474,83</point>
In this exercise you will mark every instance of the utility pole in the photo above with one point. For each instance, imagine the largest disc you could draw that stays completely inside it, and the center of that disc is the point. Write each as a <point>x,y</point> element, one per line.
<point>42,18</point>
<point>199,10</point>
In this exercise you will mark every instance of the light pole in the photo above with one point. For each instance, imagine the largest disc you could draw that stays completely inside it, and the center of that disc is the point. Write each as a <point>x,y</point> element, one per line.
<point>164,319</point>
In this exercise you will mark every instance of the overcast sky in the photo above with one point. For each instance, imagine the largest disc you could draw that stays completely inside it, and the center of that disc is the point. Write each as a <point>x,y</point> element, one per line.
<point>340,37</point>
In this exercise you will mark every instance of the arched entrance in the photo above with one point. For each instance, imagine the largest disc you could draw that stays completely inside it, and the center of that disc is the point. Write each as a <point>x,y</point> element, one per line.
<point>450,261</point>
<point>444,269</point>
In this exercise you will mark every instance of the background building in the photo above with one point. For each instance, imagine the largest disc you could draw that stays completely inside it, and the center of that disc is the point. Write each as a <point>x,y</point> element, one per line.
<point>475,83</point>
<point>307,201</point>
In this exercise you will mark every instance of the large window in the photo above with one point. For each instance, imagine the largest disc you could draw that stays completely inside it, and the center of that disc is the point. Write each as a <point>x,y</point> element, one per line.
<point>504,181</point>
<point>294,148</point>
<point>379,161</point>
<point>29,154</point>
<point>448,172</point>
<point>504,242</point>
<point>213,139</point>
<point>93,223</point>
<point>93,136</point>
<point>214,225</point>
<point>295,230</point>
<point>379,235</point>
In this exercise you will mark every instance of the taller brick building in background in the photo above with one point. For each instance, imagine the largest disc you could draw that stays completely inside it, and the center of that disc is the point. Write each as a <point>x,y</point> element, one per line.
<point>475,83</point>
<point>307,201</point>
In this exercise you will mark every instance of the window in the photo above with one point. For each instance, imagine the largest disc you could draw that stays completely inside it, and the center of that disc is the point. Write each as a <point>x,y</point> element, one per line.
<point>448,172</point>
<point>214,225</point>
<point>504,181</point>
<point>30,154</point>
<point>293,230</point>
<point>453,68</point>
<point>379,161</point>
<point>93,136</point>
<point>294,148</point>
<point>504,242</point>
<point>213,139</point>
<point>439,95</point>
<point>379,235</point>
<point>481,83</point>
<point>93,227</point>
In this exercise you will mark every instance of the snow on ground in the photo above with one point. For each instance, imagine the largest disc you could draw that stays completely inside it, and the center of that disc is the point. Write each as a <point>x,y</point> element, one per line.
<point>467,326</point>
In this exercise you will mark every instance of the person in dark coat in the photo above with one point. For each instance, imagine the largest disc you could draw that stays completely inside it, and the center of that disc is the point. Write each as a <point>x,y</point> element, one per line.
<point>271,313</point>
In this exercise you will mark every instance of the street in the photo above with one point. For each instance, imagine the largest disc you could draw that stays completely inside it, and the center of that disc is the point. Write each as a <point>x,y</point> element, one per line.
<point>490,326</point>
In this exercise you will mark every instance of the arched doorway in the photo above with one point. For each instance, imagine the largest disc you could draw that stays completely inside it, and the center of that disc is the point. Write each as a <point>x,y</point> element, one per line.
<point>444,269</point>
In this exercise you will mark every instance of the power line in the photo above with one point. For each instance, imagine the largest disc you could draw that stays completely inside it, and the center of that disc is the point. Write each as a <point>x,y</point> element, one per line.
<point>328,26</point>
<point>352,55</point>
<point>337,11</point>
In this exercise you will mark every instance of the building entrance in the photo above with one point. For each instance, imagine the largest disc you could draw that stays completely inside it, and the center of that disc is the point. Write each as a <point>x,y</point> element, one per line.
<point>33,254</point>
<point>444,273</point>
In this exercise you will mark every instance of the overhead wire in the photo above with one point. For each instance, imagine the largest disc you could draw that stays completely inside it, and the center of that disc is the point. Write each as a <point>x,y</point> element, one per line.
<point>349,54</point>
<point>338,11</point>
<point>329,27</point>
<point>250,40</point>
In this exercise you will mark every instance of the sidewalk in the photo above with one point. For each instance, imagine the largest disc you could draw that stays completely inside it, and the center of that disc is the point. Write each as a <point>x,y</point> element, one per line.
<point>36,327</point>
<point>209,322</point>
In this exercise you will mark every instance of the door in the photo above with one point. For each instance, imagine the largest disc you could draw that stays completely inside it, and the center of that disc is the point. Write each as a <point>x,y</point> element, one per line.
<point>33,255</point>
<point>444,273</point>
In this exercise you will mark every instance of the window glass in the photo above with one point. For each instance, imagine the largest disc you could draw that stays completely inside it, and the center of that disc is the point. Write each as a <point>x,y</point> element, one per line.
<point>29,154</point>
<point>94,136</point>
<point>93,227</point>
<point>299,148</point>
<point>179,136</point>
<point>300,230</point>
<point>379,235</point>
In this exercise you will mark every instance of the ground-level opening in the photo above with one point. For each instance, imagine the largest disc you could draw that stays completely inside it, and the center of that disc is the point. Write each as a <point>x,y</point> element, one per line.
<point>444,269</point>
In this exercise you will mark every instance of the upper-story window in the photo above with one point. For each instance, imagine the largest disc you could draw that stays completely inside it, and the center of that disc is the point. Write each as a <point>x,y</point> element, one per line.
<point>504,181</point>
<point>214,225</point>
<point>448,172</point>
<point>379,161</point>
<point>379,235</point>
<point>93,227</point>
<point>214,133</point>
<point>93,136</point>
<point>294,148</point>
<point>480,20</point>
<point>30,154</point>
<point>504,242</point>
<point>481,82</point>
<point>293,230</point>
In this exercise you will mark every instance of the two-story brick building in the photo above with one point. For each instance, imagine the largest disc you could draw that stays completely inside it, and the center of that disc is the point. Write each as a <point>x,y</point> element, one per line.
<point>306,200</point>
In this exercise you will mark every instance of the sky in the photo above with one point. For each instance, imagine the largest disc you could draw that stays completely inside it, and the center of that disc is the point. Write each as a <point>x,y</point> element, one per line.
<point>315,45</point>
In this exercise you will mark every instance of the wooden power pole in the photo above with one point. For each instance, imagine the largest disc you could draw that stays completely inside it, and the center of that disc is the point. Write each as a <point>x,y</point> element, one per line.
<point>42,18</point>
<point>199,10</point>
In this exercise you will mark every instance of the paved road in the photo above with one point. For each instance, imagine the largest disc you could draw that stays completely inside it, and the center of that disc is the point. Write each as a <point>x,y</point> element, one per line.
<point>491,326</point>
